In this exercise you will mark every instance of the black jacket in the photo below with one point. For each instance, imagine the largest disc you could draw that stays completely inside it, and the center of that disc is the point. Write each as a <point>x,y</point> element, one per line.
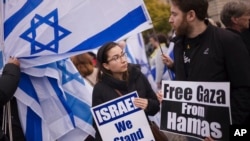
<point>8,85</point>
<point>8,82</point>
<point>105,90</point>
<point>245,35</point>
<point>220,57</point>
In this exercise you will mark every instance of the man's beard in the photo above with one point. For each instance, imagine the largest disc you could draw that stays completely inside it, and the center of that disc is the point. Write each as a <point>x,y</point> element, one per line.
<point>183,29</point>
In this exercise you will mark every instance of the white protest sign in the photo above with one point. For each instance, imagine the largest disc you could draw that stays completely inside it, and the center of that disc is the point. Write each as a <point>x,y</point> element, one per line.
<point>120,120</point>
<point>197,109</point>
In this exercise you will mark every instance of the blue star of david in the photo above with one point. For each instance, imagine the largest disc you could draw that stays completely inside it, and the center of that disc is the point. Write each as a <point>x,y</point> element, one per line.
<point>50,20</point>
<point>67,76</point>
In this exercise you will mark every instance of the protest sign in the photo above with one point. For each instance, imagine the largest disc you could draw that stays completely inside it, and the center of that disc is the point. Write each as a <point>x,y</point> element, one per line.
<point>197,109</point>
<point>120,120</point>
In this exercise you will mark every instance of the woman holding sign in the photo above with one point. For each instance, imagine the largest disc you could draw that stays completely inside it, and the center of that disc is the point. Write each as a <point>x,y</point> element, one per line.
<point>117,77</point>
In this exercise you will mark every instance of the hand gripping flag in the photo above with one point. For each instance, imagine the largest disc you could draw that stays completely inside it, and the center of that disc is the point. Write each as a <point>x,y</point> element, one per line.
<point>43,31</point>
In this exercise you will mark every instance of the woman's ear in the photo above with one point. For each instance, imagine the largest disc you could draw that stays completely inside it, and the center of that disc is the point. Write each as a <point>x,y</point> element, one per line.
<point>105,65</point>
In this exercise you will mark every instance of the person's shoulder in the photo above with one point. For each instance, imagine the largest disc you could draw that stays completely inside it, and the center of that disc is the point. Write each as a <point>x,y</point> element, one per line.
<point>224,33</point>
<point>134,70</point>
<point>224,37</point>
<point>99,85</point>
<point>134,66</point>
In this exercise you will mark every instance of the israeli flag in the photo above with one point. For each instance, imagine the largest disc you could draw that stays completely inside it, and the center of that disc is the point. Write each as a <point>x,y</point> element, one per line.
<point>43,31</point>
<point>168,73</point>
<point>54,103</point>
<point>136,53</point>
<point>53,99</point>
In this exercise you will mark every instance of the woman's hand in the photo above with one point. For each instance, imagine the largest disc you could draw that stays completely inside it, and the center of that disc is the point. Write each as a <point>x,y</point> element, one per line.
<point>141,103</point>
<point>14,60</point>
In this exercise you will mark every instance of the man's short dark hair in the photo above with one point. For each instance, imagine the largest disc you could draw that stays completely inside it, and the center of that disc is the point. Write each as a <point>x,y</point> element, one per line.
<point>199,6</point>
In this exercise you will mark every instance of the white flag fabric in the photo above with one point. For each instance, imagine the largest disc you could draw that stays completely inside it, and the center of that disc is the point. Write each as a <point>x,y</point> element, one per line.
<point>54,104</point>
<point>135,50</point>
<point>50,30</point>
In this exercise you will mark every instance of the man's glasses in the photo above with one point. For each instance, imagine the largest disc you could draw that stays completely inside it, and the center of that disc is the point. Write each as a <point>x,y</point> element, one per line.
<point>117,57</point>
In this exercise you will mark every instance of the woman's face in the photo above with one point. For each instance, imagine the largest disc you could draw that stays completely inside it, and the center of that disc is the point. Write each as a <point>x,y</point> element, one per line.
<point>117,61</point>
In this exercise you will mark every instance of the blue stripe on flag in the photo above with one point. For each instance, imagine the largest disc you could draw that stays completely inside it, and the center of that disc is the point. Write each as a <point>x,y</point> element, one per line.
<point>33,123</point>
<point>128,23</point>
<point>33,127</point>
<point>153,72</point>
<point>140,41</point>
<point>59,93</point>
<point>79,108</point>
<point>170,71</point>
<point>24,82</point>
<point>129,55</point>
<point>14,20</point>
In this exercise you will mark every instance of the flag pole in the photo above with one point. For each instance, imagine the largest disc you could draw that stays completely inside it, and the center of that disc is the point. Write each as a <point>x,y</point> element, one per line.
<point>154,32</point>
<point>169,73</point>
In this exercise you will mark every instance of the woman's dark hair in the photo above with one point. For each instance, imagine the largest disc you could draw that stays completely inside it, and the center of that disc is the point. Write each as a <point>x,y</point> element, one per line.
<point>199,6</point>
<point>102,57</point>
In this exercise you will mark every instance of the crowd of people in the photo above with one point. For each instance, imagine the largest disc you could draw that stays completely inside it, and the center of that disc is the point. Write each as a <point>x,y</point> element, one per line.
<point>203,52</point>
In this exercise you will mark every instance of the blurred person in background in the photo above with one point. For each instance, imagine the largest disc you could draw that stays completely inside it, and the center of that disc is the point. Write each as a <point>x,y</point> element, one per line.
<point>84,64</point>
<point>160,44</point>
<point>235,15</point>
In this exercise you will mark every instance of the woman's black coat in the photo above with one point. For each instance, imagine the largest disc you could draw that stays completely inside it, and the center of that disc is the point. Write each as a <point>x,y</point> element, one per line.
<point>105,90</point>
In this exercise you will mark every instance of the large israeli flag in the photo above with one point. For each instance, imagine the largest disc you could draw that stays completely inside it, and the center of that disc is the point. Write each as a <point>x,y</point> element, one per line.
<point>54,103</point>
<point>43,31</point>
<point>53,100</point>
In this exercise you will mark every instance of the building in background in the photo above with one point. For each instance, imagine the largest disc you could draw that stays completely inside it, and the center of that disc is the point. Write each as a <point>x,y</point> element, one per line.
<point>215,6</point>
